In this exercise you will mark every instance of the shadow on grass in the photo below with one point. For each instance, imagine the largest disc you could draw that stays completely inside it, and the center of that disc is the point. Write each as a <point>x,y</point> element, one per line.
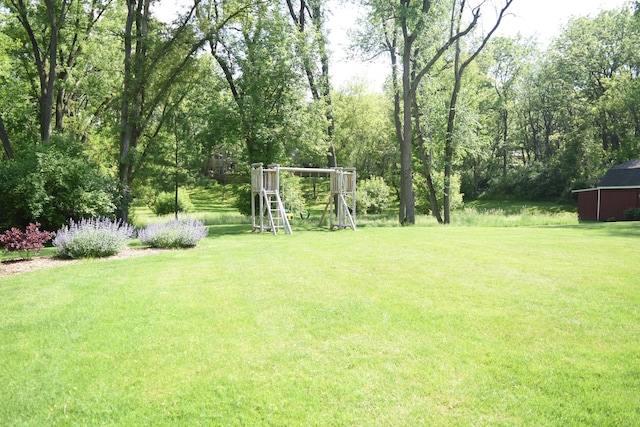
<point>619,229</point>
<point>246,228</point>
<point>516,207</point>
<point>229,229</point>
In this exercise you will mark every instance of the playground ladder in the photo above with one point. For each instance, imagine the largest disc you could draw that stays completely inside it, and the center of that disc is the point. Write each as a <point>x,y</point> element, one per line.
<point>345,213</point>
<point>276,213</point>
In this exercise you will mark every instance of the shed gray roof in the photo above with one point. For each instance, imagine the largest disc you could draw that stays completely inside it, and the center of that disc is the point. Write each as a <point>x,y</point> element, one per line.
<point>624,175</point>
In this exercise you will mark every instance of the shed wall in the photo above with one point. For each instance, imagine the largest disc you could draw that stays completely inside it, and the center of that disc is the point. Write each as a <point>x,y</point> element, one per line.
<point>588,205</point>
<point>613,202</point>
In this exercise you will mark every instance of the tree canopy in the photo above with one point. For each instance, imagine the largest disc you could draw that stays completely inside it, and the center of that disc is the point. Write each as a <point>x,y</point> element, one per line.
<point>111,92</point>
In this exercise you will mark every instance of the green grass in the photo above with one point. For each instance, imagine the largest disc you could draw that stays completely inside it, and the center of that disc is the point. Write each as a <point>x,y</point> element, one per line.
<point>386,326</point>
<point>213,206</point>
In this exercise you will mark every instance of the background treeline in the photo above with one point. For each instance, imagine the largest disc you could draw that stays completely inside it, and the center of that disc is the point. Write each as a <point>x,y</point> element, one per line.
<point>103,104</point>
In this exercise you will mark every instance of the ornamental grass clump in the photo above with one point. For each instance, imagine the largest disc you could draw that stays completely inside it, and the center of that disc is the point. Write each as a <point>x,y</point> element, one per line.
<point>93,238</point>
<point>177,233</point>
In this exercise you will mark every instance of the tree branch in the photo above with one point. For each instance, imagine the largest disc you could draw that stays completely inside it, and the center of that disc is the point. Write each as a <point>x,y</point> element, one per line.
<point>425,69</point>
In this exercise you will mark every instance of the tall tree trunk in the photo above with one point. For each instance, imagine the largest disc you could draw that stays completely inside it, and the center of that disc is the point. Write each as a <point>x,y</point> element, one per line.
<point>48,79</point>
<point>458,70</point>
<point>426,168</point>
<point>325,81</point>
<point>331,123</point>
<point>407,214</point>
<point>448,140</point>
<point>6,144</point>
<point>426,164</point>
<point>60,110</point>
<point>410,83</point>
<point>426,159</point>
<point>45,58</point>
<point>505,136</point>
<point>130,109</point>
<point>391,46</point>
<point>140,99</point>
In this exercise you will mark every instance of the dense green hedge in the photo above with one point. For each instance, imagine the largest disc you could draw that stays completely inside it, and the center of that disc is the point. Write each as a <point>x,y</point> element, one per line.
<point>632,214</point>
<point>52,183</point>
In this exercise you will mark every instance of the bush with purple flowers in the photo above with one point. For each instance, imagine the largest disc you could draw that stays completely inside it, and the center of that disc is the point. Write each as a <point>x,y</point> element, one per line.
<point>93,238</point>
<point>177,233</point>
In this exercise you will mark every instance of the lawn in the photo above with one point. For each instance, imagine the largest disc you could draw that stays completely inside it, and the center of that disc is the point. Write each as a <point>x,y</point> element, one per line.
<point>385,326</point>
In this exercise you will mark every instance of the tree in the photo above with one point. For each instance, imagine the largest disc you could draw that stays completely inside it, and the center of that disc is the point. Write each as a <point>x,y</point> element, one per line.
<point>312,44</point>
<point>42,24</point>
<point>154,59</point>
<point>506,62</point>
<point>364,132</point>
<point>255,56</point>
<point>496,84</point>
<point>575,115</point>
<point>180,150</point>
<point>590,53</point>
<point>411,34</point>
<point>459,67</point>
<point>83,19</point>
<point>66,82</point>
<point>5,67</point>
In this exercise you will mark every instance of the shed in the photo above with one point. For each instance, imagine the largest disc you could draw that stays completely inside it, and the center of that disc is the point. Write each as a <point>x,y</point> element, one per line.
<point>618,191</point>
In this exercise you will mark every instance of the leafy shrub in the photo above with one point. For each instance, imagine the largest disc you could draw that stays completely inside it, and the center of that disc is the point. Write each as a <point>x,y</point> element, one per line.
<point>32,239</point>
<point>52,183</point>
<point>632,214</point>
<point>372,195</point>
<point>165,203</point>
<point>534,181</point>
<point>93,238</point>
<point>423,200</point>
<point>177,233</point>
<point>243,199</point>
<point>291,192</point>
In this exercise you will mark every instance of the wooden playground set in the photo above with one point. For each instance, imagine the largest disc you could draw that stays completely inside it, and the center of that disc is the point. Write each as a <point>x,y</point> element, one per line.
<point>268,212</point>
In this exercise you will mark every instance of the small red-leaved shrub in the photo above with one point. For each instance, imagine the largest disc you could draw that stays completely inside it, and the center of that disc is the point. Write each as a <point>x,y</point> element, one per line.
<point>25,242</point>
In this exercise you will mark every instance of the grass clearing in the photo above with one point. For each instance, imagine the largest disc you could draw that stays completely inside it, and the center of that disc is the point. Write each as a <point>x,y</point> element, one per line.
<point>386,326</point>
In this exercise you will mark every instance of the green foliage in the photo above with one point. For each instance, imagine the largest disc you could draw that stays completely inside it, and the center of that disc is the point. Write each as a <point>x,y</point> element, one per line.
<point>364,132</point>
<point>632,214</point>
<point>536,181</point>
<point>16,107</point>
<point>372,195</point>
<point>242,201</point>
<point>165,203</point>
<point>567,111</point>
<point>177,233</point>
<point>291,192</point>
<point>92,238</point>
<point>270,113</point>
<point>52,183</point>
<point>423,203</point>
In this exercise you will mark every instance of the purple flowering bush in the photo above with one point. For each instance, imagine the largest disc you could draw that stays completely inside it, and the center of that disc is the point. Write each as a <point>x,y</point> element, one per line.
<point>25,242</point>
<point>93,238</point>
<point>177,233</point>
